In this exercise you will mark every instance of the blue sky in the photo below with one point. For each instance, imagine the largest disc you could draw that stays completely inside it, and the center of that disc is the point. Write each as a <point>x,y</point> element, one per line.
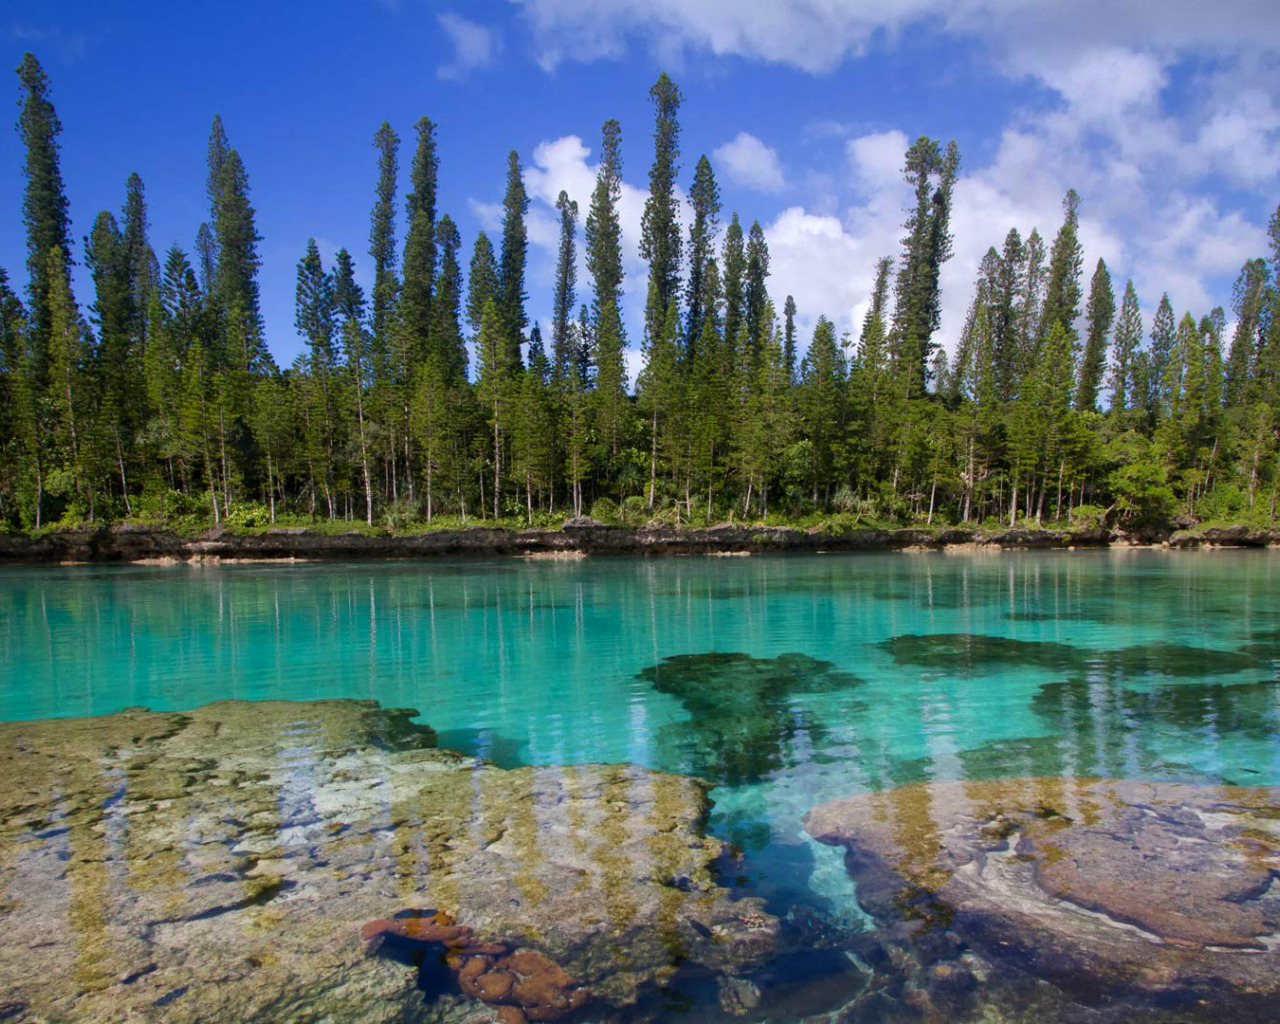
<point>1166,118</point>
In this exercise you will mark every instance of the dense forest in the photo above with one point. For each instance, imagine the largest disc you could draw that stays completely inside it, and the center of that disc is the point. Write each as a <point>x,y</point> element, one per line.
<point>433,399</point>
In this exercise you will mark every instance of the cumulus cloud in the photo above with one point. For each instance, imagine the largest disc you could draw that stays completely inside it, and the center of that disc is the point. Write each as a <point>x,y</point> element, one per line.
<point>474,45</point>
<point>816,35</point>
<point>750,163</point>
<point>1163,117</point>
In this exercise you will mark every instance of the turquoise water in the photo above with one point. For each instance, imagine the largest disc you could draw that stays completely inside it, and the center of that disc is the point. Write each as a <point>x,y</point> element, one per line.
<point>784,680</point>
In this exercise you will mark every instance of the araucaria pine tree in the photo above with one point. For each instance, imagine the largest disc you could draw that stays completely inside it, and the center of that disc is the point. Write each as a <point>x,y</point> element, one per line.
<point>433,398</point>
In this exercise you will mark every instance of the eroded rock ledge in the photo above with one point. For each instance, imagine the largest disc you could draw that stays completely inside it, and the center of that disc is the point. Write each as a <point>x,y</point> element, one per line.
<point>130,544</point>
<point>1104,887</point>
<point>238,862</point>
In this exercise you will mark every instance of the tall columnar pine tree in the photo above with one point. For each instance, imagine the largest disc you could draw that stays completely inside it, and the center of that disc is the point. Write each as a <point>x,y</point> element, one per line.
<point>734,259</point>
<point>45,210</point>
<point>448,347</point>
<point>494,386</point>
<point>604,261</point>
<point>534,445</point>
<point>1032,299</point>
<point>756,292</point>
<point>236,280</point>
<point>511,267</point>
<point>1062,292</point>
<point>603,228</point>
<point>821,398</point>
<point>143,267</point>
<point>1010,358</point>
<point>315,318</point>
<point>565,296</point>
<point>348,299</point>
<point>173,388</point>
<point>1164,337</point>
<point>68,359</point>
<point>1099,316</point>
<point>1128,341</point>
<point>119,352</point>
<point>660,224</point>
<point>382,241</point>
<point>661,391</point>
<point>441,412</point>
<point>420,244</point>
<point>789,337</point>
<point>927,245</point>
<point>1250,302</point>
<point>482,282</point>
<point>704,200</point>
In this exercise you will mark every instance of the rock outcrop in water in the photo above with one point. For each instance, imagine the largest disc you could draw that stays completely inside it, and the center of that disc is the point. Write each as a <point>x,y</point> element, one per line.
<point>1104,887</point>
<point>220,864</point>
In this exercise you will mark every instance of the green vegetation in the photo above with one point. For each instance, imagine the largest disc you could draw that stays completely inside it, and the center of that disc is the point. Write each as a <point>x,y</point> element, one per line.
<point>162,403</point>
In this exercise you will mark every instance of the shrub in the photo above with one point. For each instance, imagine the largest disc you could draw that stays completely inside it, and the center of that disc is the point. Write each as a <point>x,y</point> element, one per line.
<point>1087,517</point>
<point>246,515</point>
<point>605,510</point>
<point>400,515</point>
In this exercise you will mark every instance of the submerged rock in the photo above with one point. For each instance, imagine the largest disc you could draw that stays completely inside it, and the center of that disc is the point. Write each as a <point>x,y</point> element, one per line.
<point>742,710</point>
<point>1104,887</point>
<point>219,864</point>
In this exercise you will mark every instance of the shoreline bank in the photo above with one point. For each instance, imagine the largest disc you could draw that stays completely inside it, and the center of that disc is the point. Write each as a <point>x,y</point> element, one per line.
<point>161,545</point>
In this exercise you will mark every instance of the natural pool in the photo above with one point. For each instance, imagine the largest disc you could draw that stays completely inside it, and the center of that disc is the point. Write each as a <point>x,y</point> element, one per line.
<point>786,682</point>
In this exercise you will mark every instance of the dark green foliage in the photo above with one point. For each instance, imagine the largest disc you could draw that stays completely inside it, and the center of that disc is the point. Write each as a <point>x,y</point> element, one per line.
<point>566,282</point>
<point>1100,314</point>
<point>447,343</point>
<point>734,259</point>
<point>1128,338</point>
<point>510,293</point>
<point>45,210</point>
<point>420,242</point>
<point>789,336</point>
<point>164,385</point>
<point>931,172</point>
<point>1062,295</point>
<point>482,281</point>
<point>704,197</point>
<point>604,230</point>
<point>660,225</point>
<point>382,234</point>
<point>236,280</point>
<point>756,294</point>
<point>744,712</point>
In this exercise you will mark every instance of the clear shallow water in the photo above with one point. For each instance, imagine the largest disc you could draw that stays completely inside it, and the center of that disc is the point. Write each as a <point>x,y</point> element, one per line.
<point>847,673</point>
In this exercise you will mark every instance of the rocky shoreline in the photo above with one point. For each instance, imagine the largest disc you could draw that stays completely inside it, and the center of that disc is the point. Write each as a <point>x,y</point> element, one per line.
<point>323,861</point>
<point>576,539</point>
<point>1128,897</point>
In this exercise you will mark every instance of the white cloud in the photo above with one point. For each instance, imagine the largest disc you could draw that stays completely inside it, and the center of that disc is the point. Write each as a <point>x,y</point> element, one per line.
<point>1160,116</point>
<point>877,159</point>
<point>750,163</point>
<point>816,35</point>
<point>474,45</point>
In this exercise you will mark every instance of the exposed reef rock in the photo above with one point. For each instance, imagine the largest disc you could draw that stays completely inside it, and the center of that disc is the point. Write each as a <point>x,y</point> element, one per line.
<point>129,543</point>
<point>1106,888</point>
<point>221,863</point>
